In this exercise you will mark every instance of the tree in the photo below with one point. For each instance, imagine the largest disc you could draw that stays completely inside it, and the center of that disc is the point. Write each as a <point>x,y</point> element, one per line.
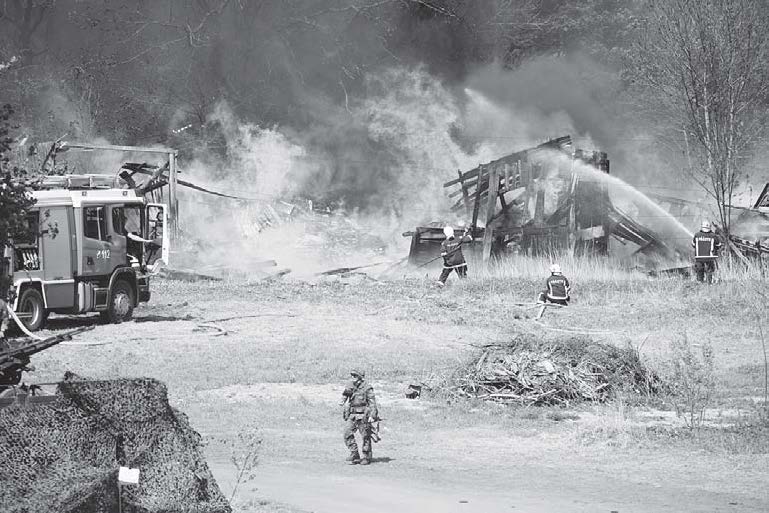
<point>15,200</point>
<point>705,63</point>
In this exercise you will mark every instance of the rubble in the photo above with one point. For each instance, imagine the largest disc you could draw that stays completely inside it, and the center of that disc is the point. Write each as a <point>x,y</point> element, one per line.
<point>549,199</point>
<point>557,372</point>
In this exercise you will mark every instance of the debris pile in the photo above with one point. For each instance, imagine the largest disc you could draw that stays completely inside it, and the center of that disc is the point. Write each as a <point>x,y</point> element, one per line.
<point>560,372</point>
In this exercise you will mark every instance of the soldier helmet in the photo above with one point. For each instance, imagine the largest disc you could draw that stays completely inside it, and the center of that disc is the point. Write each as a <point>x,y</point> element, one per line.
<point>705,225</point>
<point>555,269</point>
<point>358,373</point>
<point>448,231</point>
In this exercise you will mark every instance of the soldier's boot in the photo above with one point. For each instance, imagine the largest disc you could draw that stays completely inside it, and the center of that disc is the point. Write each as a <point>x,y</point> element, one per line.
<point>367,457</point>
<point>353,458</point>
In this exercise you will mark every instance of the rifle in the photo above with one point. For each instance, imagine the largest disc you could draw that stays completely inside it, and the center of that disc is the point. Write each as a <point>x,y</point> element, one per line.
<point>15,360</point>
<point>373,429</point>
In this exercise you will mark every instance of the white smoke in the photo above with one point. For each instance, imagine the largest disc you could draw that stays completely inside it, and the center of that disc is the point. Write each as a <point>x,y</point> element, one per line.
<point>397,146</point>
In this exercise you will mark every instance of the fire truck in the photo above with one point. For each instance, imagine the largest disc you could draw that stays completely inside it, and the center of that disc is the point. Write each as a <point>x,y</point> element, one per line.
<point>93,248</point>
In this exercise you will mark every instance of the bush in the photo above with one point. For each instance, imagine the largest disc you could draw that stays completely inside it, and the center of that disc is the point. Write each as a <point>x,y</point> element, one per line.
<point>693,380</point>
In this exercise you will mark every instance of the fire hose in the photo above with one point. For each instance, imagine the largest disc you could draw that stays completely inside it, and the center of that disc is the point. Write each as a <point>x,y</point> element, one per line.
<point>20,324</point>
<point>459,246</point>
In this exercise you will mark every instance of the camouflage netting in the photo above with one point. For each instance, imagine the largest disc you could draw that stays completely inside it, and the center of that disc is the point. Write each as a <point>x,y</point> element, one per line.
<point>64,456</point>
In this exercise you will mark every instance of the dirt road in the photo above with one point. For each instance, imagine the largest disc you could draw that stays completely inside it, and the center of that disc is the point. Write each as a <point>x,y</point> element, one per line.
<point>333,488</point>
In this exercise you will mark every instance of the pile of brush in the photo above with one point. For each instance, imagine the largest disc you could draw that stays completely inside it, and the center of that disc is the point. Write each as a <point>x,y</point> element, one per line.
<point>554,372</point>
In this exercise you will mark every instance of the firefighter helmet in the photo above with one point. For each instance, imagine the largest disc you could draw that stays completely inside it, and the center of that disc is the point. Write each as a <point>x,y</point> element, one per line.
<point>448,231</point>
<point>706,225</point>
<point>555,269</point>
<point>357,373</point>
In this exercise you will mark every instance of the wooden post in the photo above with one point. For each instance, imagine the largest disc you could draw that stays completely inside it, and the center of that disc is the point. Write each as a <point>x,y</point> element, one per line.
<point>477,205</point>
<point>507,178</point>
<point>572,235</point>
<point>173,202</point>
<point>465,196</point>
<point>491,207</point>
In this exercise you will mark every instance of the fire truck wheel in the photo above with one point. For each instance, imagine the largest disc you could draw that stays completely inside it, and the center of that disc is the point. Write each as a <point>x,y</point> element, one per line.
<point>121,303</point>
<point>32,308</point>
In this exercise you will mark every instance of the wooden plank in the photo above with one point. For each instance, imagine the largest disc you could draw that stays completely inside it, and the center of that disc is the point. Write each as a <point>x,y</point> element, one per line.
<point>572,219</point>
<point>459,204</point>
<point>557,143</point>
<point>458,192</point>
<point>491,207</point>
<point>465,195</point>
<point>465,176</point>
<point>173,203</point>
<point>477,205</point>
<point>110,147</point>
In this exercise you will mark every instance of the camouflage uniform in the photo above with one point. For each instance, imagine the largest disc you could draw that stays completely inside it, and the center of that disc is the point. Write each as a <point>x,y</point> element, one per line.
<point>360,406</point>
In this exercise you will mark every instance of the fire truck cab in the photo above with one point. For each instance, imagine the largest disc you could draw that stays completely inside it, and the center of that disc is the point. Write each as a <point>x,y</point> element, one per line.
<point>93,250</point>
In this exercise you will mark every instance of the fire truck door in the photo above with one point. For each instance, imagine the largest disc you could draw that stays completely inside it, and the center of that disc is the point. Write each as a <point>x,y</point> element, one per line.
<point>156,231</point>
<point>116,236</point>
<point>56,234</point>
<point>97,250</point>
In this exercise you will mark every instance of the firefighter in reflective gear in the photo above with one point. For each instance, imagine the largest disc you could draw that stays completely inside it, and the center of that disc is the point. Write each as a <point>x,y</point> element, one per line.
<point>557,288</point>
<point>360,410</point>
<point>451,251</point>
<point>5,295</point>
<point>706,248</point>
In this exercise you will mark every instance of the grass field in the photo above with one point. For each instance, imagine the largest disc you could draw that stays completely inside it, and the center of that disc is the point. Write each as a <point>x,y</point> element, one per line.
<point>279,371</point>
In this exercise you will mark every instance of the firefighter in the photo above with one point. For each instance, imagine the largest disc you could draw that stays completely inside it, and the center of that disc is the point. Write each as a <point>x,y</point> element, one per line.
<point>451,251</point>
<point>360,410</point>
<point>706,245</point>
<point>557,288</point>
<point>5,295</point>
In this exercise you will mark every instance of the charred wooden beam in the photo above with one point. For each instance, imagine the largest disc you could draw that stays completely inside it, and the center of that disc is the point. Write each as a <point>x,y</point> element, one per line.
<point>491,207</point>
<point>558,143</point>
<point>477,205</point>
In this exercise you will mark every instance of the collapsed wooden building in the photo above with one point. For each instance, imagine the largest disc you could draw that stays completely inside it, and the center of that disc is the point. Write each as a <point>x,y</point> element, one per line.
<point>541,201</point>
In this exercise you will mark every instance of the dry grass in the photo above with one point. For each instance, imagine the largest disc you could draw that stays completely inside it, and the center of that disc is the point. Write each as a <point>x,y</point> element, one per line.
<point>404,330</point>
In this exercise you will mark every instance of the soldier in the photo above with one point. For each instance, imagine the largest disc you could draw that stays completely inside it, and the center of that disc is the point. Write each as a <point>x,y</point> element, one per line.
<point>5,290</point>
<point>557,288</point>
<point>706,248</point>
<point>359,411</point>
<point>451,251</point>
